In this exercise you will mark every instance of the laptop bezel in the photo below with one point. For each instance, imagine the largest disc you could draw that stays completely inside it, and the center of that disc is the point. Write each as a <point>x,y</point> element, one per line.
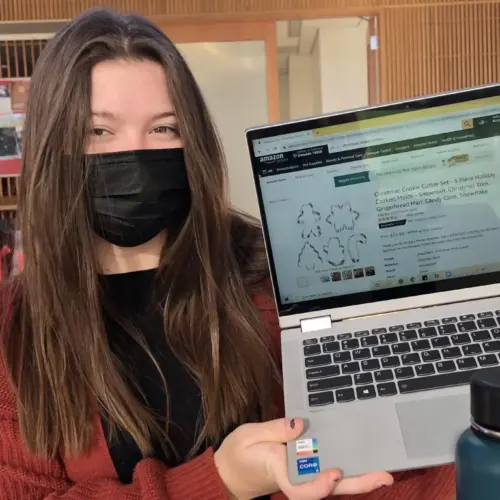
<point>392,299</point>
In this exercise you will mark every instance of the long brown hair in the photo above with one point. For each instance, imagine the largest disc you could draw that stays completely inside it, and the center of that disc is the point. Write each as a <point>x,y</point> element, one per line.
<point>57,353</point>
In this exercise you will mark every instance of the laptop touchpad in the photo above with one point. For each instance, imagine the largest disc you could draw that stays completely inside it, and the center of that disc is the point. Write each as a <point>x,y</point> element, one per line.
<point>432,426</point>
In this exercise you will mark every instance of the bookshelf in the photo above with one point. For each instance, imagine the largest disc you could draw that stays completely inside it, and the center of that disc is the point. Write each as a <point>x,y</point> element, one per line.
<point>17,60</point>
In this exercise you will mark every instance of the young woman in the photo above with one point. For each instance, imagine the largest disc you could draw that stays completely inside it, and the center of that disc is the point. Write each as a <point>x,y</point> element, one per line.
<point>139,342</point>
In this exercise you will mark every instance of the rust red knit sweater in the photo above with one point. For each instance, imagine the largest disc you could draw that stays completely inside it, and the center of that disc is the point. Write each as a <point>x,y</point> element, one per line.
<point>93,477</point>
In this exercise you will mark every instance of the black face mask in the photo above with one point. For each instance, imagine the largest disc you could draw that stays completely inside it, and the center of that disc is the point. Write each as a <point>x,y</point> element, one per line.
<point>137,194</point>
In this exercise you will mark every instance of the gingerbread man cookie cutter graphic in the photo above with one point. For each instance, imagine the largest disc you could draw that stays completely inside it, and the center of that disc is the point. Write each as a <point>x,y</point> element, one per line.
<point>309,219</point>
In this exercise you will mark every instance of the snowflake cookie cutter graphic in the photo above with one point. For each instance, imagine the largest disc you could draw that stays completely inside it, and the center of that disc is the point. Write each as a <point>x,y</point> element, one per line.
<point>342,217</point>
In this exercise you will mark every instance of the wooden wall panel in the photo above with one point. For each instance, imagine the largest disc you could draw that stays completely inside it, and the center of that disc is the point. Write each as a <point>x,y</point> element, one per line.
<point>433,49</point>
<point>21,10</point>
<point>426,46</point>
<point>18,57</point>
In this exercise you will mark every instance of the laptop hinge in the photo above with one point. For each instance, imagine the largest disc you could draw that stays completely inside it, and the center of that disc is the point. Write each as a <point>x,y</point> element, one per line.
<point>315,324</point>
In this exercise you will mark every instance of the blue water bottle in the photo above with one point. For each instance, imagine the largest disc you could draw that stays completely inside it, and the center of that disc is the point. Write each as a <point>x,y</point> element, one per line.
<point>477,457</point>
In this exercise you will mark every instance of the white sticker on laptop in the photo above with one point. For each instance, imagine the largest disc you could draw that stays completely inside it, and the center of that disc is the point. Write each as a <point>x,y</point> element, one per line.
<point>306,447</point>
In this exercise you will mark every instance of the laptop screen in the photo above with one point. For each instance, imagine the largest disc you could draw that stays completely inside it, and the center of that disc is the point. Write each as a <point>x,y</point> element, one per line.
<point>382,203</point>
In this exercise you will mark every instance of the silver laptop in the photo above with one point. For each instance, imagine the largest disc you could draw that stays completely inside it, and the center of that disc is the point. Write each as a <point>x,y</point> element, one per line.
<point>382,228</point>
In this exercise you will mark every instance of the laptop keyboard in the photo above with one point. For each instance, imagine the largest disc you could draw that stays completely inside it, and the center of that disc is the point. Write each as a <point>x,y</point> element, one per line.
<point>401,359</point>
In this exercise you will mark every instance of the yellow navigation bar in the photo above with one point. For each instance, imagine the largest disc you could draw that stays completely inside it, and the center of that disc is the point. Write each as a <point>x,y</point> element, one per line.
<point>404,117</point>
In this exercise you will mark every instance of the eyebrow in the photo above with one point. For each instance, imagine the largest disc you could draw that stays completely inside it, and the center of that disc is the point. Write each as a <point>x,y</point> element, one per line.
<point>111,116</point>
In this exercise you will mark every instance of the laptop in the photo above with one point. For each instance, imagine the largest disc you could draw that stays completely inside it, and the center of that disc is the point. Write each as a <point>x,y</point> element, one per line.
<point>382,228</point>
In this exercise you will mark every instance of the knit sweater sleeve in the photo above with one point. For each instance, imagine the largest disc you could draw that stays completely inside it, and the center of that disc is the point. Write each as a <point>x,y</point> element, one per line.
<point>437,483</point>
<point>24,476</point>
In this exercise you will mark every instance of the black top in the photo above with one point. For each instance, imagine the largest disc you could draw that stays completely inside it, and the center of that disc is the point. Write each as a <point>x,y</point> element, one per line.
<point>132,294</point>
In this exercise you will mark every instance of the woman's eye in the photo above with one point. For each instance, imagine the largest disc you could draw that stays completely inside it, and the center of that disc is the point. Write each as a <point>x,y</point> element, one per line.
<point>98,132</point>
<point>165,129</point>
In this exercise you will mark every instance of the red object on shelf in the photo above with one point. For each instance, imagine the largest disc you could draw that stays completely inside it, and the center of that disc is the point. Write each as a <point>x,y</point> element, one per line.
<point>10,167</point>
<point>5,250</point>
<point>18,262</point>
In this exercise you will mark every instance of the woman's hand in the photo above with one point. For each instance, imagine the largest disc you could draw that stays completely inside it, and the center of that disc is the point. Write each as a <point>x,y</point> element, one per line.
<point>252,461</point>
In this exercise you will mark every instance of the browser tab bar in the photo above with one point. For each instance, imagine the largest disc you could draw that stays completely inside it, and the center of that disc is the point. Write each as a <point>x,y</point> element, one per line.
<point>368,137</point>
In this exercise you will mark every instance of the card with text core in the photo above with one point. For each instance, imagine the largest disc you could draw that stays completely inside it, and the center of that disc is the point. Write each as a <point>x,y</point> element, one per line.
<point>306,447</point>
<point>309,465</point>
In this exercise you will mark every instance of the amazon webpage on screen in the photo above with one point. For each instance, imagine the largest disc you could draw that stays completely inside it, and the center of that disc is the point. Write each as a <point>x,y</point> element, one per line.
<point>390,201</point>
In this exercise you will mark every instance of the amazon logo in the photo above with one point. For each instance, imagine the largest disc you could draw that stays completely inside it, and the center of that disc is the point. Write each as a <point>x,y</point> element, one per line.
<point>270,158</point>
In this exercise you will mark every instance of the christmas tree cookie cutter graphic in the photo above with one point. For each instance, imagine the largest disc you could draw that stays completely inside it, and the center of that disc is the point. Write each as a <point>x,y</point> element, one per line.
<point>309,219</point>
<point>309,257</point>
<point>353,246</point>
<point>342,217</point>
<point>335,252</point>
